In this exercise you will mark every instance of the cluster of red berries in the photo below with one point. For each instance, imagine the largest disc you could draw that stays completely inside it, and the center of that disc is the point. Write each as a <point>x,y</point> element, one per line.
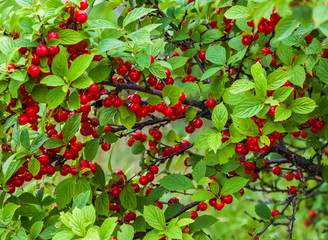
<point>193,125</point>
<point>312,214</point>
<point>150,175</point>
<point>75,15</point>
<point>315,125</point>
<point>85,167</point>
<point>77,49</point>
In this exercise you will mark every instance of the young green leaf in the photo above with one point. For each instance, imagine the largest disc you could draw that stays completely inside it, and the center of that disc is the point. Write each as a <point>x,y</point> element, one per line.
<point>154,217</point>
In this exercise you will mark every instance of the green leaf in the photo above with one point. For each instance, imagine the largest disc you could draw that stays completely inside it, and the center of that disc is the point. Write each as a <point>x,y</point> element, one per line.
<point>216,54</point>
<point>102,203</point>
<point>34,166</point>
<point>171,94</point>
<point>282,113</point>
<point>285,53</point>
<point>237,12</point>
<point>241,85</point>
<point>8,212</point>
<point>107,115</point>
<point>248,108</point>
<point>127,118</point>
<point>64,235</point>
<point>320,14</point>
<point>282,93</point>
<point>143,60</point>
<point>55,97</point>
<point>211,35</point>
<point>69,36</point>
<point>140,36</point>
<point>79,65</point>
<point>38,141</point>
<point>109,44</point>
<point>126,233</point>
<point>64,192</point>
<point>82,199</point>
<point>202,195</point>
<point>325,173</point>
<point>107,228</point>
<point>270,127</point>
<point>99,74</point>
<point>52,143</point>
<point>77,222</point>
<point>322,70</point>
<point>246,126</point>
<point>214,140</point>
<point>285,28</point>
<point>138,147</point>
<point>263,211</point>
<point>177,61</point>
<point>210,72</point>
<point>91,149</point>
<point>74,100</point>
<point>100,24</point>
<point>259,79</point>
<point>128,198</point>
<point>303,105</point>
<point>36,229</point>
<point>154,217</point>
<point>135,14</point>
<point>71,126</point>
<point>199,170</point>
<point>158,70</point>
<point>176,182</point>
<point>174,232</point>
<point>25,139</point>
<point>59,65</point>
<point>53,81</point>
<point>82,82</point>
<point>233,185</point>
<point>203,222</point>
<point>278,78</point>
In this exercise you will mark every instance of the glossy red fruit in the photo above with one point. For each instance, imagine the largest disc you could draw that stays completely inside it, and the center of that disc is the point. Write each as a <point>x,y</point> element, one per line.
<point>83,5</point>
<point>308,38</point>
<point>289,176</point>
<point>211,103</point>
<point>143,180</point>
<point>122,70</point>
<point>247,40</point>
<point>81,17</point>
<point>23,119</point>
<point>292,190</point>
<point>193,215</point>
<point>11,67</point>
<point>41,50</point>
<point>266,51</point>
<point>312,213</point>
<point>202,206</point>
<point>153,169</point>
<point>201,55</point>
<point>219,206</point>
<point>197,123</point>
<point>136,187</point>
<point>276,170</point>
<point>189,129</point>
<point>53,50</point>
<point>43,159</point>
<point>275,212</point>
<point>53,35</point>
<point>227,199</point>
<point>241,149</point>
<point>34,71</point>
<point>105,146</point>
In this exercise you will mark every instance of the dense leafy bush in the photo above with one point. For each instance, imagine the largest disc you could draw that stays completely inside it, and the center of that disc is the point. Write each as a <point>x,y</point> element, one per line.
<point>222,103</point>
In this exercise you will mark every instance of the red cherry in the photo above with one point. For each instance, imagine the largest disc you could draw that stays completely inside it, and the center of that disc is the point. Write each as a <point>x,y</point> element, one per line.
<point>292,190</point>
<point>241,149</point>
<point>28,176</point>
<point>105,146</point>
<point>115,192</point>
<point>153,169</point>
<point>274,212</point>
<point>266,51</point>
<point>202,206</point>
<point>130,216</point>
<point>189,129</point>
<point>247,40</point>
<point>122,70</point>
<point>51,170</point>
<point>276,170</point>
<point>134,76</point>
<point>53,35</point>
<point>81,17</point>
<point>307,222</point>
<point>11,188</point>
<point>93,168</point>
<point>212,202</point>
<point>53,50</point>
<point>11,67</point>
<point>41,50</point>
<point>43,159</point>
<point>308,38</point>
<point>193,215</point>
<point>143,180</point>
<point>201,55</point>
<point>219,206</point>
<point>227,199</point>
<point>312,214</point>
<point>211,103</point>
<point>23,119</point>
<point>289,176</point>
<point>34,71</point>
<point>136,187</point>
<point>197,123</point>
<point>150,177</point>
<point>83,5</point>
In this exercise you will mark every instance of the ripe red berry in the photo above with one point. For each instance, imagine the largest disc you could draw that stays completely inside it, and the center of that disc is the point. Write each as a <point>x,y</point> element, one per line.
<point>241,149</point>
<point>189,129</point>
<point>193,214</point>
<point>41,50</point>
<point>292,190</point>
<point>276,170</point>
<point>34,71</point>
<point>122,70</point>
<point>143,180</point>
<point>81,17</point>
<point>211,103</point>
<point>312,213</point>
<point>136,187</point>
<point>53,35</point>
<point>219,206</point>
<point>23,119</point>
<point>83,5</point>
<point>153,169</point>
<point>202,206</point>
<point>308,38</point>
<point>247,40</point>
<point>227,199</point>
<point>43,159</point>
<point>11,67</point>
<point>197,123</point>
<point>275,212</point>
<point>289,176</point>
<point>266,51</point>
<point>201,55</point>
<point>105,146</point>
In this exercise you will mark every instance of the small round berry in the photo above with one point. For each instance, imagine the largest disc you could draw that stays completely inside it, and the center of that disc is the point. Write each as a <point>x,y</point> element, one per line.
<point>53,35</point>
<point>193,215</point>
<point>41,50</point>
<point>202,206</point>
<point>34,71</point>
<point>211,103</point>
<point>83,5</point>
<point>227,199</point>
<point>274,212</point>
<point>276,170</point>
<point>143,180</point>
